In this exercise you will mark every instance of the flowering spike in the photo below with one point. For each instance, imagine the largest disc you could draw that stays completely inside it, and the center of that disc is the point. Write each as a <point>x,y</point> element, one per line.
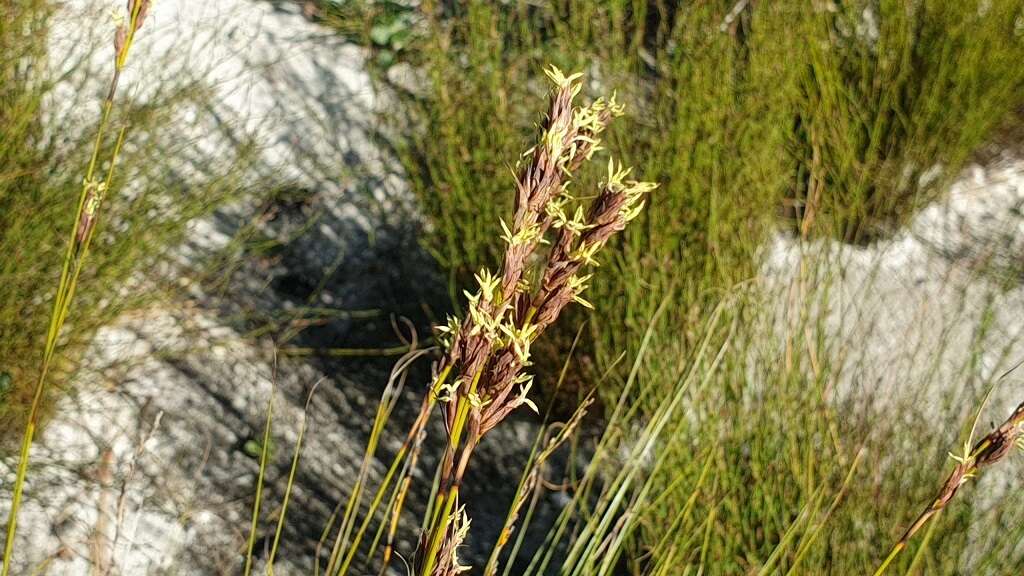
<point>522,399</point>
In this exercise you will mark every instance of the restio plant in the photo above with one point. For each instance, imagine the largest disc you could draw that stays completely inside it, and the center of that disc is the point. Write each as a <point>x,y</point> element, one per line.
<point>817,120</point>
<point>725,446</point>
<point>552,238</point>
<point>95,186</point>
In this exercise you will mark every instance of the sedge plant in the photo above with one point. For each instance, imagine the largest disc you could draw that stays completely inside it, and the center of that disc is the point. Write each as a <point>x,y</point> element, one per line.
<point>554,236</point>
<point>95,186</point>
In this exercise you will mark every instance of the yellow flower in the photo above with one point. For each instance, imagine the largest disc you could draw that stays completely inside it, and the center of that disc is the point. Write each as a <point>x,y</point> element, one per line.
<point>448,332</point>
<point>578,284</point>
<point>522,237</point>
<point>586,253</point>
<point>616,175</point>
<point>446,392</point>
<point>561,80</point>
<point>488,284</point>
<point>525,382</point>
<point>520,340</point>
<point>460,529</point>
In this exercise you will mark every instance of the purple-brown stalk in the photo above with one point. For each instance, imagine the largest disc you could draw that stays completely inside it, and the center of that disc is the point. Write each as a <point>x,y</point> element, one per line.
<point>987,451</point>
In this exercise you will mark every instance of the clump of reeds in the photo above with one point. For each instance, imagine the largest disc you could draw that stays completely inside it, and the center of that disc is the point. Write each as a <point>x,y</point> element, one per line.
<point>481,378</point>
<point>94,189</point>
<point>986,452</point>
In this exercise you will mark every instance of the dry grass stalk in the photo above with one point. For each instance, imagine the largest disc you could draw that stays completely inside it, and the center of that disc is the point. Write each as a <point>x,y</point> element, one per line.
<point>986,452</point>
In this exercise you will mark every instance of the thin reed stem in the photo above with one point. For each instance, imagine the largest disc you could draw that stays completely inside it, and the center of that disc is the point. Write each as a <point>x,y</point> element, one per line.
<point>80,238</point>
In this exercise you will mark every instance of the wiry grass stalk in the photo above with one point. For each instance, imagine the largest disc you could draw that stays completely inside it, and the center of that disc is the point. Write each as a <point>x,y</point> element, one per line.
<point>583,553</point>
<point>809,540</point>
<point>418,434</point>
<point>620,417</point>
<point>89,203</point>
<point>337,563</point>
<point>348,518</point>
<point>531,482</point>
<point>291,480</point>
<point>264,456</point>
